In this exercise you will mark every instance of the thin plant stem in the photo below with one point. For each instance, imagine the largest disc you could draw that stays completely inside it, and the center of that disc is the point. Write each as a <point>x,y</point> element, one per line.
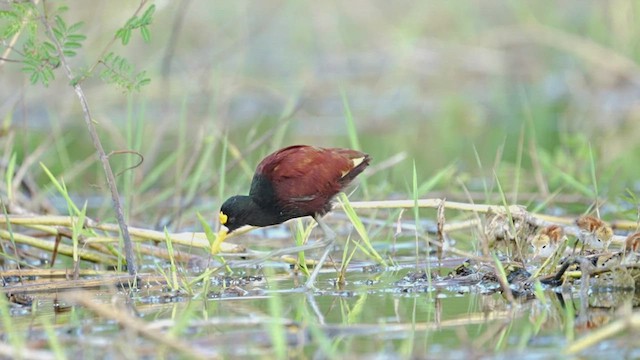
<point>104,159</point>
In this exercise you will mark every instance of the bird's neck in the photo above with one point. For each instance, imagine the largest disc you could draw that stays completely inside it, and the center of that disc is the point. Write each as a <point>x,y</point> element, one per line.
<point>261,214</point>
<point>262,192</point>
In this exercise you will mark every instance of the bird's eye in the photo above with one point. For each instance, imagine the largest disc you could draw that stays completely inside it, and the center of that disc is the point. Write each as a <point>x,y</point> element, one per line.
<point>544,246</point>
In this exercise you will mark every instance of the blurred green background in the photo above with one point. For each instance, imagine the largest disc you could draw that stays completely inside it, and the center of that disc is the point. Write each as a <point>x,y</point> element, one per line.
<point>540,93</point>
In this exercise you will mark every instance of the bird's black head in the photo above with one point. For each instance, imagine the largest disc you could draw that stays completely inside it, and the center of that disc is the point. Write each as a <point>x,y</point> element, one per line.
<point>236,212</point>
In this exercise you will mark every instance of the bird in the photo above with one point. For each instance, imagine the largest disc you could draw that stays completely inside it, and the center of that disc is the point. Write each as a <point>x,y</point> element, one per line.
<point>628,255</point>
<point>547,240</point>
<point>632,242</point>
<point>294,182</point>
<point>594,232</point>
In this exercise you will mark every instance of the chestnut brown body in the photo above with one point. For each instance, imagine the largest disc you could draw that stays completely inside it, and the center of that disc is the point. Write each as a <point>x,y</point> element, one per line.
<point>301,180</point>
<point>293,182</point>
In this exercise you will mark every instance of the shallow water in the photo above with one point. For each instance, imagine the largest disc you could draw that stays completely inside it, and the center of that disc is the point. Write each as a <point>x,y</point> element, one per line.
<point>393,312</point>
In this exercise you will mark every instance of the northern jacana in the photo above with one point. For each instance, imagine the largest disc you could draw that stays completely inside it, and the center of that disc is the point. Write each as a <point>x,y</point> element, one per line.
<point>594,232</point>
<point>294,182</point>
<point>632,243</point>
<point>627,256</point>
<point>547,240</point>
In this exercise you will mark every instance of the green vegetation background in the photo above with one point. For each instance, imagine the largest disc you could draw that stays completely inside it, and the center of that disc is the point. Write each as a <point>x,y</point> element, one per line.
<point>532,91</point>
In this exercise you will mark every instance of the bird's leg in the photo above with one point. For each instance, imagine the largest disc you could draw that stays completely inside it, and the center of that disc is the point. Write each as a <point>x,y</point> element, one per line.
<point>274,253</point>
<point>326,230</point>
<point>328,236</point>
<point>328,240</point>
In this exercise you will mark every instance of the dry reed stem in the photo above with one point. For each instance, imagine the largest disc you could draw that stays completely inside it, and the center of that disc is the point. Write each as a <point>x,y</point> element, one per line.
<point>631,322</point>
<point>66,232</point>
<point>452,205</point>
<point>540,219</point>
<point>10,352</point>
<point>51,272</point>
<point>461,225</point>
<point>477,318</point>
<point>47,223</point>
<point>65,249</point>
<point>625,225</point>
<point>194,239</point>
<point>460,206</point>
<point>53,285</point>
<point>422,203</point>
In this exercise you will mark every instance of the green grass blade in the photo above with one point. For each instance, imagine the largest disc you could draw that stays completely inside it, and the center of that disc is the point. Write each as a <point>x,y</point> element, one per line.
<point>416,215</point>
<point>416,196</point>
<point>211,236</point>
<point>593,173</point>
<point>198,175</point>
<point>434,180</point>
<point>569,326</point>
<point>276,329</point>
<point>576,184</point>
<point>223,169</point>
<point>52,339</point>
<point>503,198</point>
<point>174,270</point>
<point>351,125</point>
<point>538,291</point>
<point>416,210</point>
<point>62,142</point>
<point>61,189</point>
<point>352,131</point>
<point>518,165</point>
<point>157,173</point>
<point>9,176</point>
<point>183,320</point>
<point>569,180</point>
<point>15,335</point>
<point>11,238</point>
<point>360,229</point>
<point>485,187</point>
<point>501,271</point>
<point>77,227</point>
<point>355,315</point>
<point>301,236</point>
<point>213,239</point>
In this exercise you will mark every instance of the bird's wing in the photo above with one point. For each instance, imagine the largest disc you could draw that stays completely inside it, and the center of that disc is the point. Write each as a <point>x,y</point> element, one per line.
<point>305,178</point>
